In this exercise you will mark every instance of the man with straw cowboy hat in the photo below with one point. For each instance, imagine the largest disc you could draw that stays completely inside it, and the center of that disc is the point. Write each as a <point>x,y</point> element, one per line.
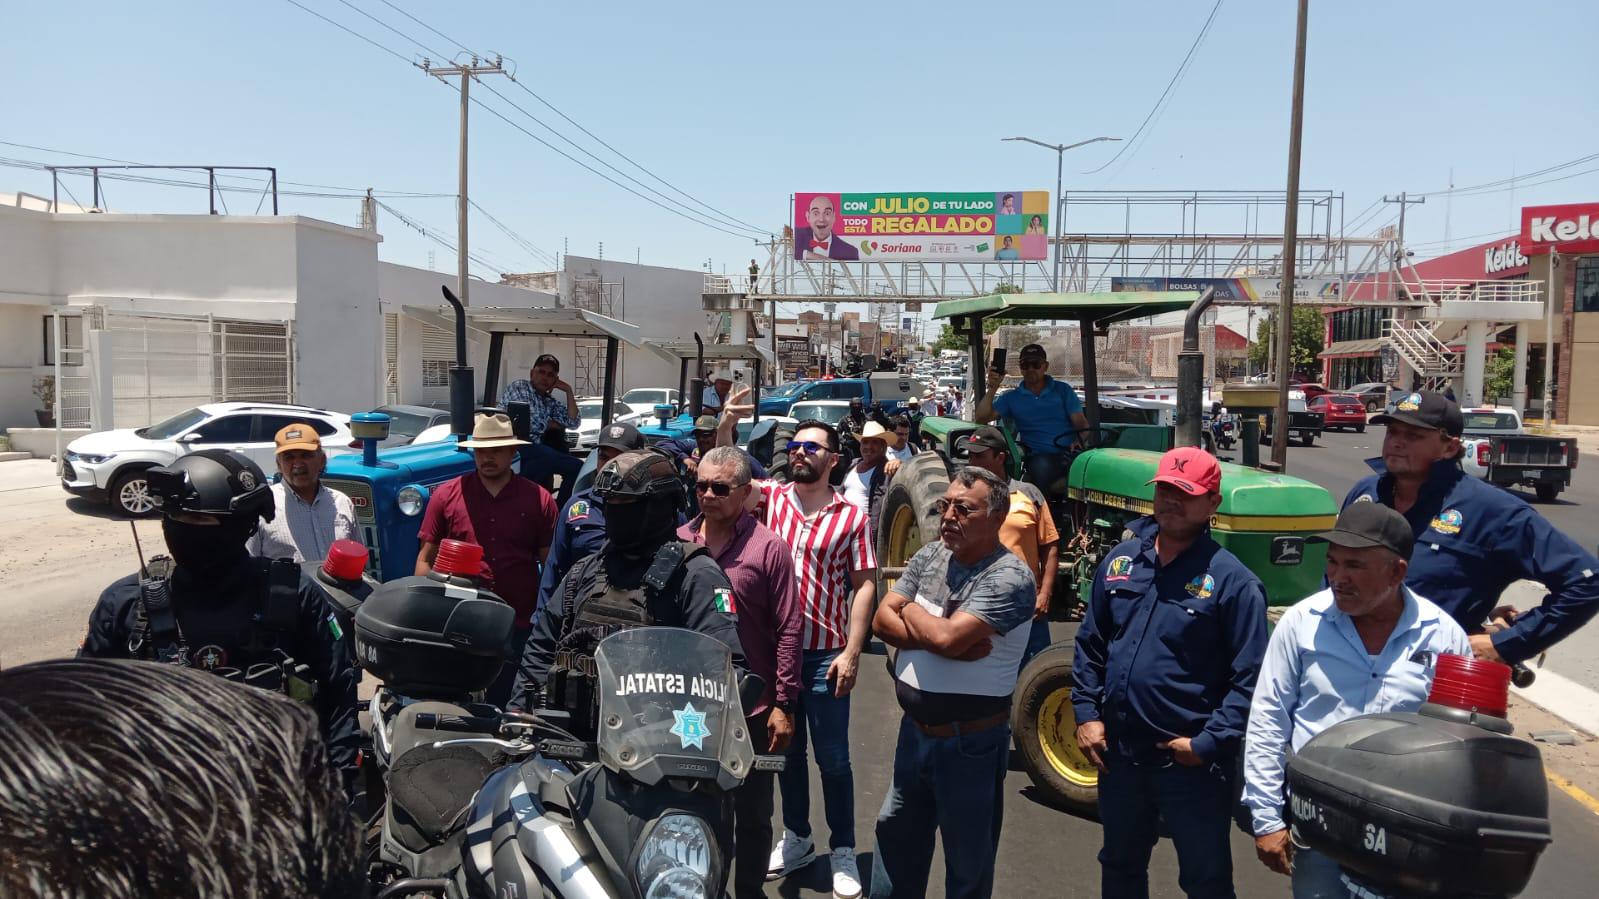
<point>512,518</point>
<point>864,483</point>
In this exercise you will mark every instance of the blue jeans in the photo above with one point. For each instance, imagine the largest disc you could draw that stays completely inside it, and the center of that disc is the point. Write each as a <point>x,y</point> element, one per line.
<point>1037,641</point>
<point>826,718</point>
<point>1318,877</point>
<point>1196,804</point>
<point>954,786</point>
<point>547,462</point>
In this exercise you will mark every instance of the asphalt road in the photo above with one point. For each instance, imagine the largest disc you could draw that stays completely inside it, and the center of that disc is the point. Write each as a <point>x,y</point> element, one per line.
<point>1047,852</point>
<point>1337,460</point>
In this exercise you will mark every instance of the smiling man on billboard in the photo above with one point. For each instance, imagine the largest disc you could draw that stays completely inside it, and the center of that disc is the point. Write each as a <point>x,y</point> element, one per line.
<point>818,241</point>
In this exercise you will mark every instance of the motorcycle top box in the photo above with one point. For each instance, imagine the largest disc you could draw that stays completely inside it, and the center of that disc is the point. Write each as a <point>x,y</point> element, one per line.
<point>434,637</point>
<point>1440,802</point>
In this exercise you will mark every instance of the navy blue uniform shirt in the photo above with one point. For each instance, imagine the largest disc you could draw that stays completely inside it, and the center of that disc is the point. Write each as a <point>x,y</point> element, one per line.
<point>213,615</point>
<point>1473,539</point>
<point>1170,651</point>
<point>579,531</point>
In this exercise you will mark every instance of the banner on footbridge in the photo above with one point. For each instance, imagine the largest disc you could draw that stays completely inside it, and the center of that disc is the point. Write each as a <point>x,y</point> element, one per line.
<point>996,226</point>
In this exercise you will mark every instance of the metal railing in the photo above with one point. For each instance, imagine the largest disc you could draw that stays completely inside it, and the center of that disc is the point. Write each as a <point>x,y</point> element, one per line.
<point>1416,342</point>
<point>1447,290</point>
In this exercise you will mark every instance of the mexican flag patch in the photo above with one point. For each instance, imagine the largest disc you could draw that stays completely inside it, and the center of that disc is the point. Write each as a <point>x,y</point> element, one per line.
<point>722,597</point>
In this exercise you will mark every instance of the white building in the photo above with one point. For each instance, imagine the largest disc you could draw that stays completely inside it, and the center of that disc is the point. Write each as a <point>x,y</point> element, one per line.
<point>161,312</point>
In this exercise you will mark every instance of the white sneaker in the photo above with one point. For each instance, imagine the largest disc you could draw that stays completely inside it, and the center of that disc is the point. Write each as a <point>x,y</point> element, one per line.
<point>791,854</point>
<point>846,874</point>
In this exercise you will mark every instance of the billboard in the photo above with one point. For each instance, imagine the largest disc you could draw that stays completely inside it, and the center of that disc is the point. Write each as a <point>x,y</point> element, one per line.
<point>997,226</point>
<point>1253,290</point>
<point>1569,229</point>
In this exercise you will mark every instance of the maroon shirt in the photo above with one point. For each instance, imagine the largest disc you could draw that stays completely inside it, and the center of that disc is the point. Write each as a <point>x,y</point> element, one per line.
<point>766,600</point>
<point>514,528</point>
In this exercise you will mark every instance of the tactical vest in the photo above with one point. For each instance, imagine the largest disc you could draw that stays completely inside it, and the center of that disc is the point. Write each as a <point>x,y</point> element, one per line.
<point>156,635</point>
<point>598,610</point>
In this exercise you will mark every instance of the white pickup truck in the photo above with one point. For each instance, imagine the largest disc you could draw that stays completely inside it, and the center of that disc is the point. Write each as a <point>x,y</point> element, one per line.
<point>1496,449</point>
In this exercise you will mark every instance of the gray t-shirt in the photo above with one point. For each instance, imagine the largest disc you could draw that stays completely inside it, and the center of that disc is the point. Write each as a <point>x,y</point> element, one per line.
<point>999,590</point>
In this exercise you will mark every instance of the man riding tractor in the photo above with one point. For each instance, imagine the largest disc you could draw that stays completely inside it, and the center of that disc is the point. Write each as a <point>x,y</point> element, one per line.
<point>1047,414</point>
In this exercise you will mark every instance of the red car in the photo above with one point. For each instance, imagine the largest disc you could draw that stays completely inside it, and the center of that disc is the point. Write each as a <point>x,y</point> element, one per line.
<point>1340,410</point>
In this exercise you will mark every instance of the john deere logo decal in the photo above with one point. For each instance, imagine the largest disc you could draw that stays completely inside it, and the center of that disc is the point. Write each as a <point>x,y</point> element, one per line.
<point>1121,568</point>
<point>1448,521</point>
<point>1410,403</point>
<point>1202,586</point>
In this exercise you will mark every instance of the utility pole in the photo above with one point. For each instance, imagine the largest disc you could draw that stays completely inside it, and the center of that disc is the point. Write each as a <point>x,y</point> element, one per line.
<point>466,73</point>
<point>1285,321</point>
<point>1404,202</point>
<point>1556,290</point>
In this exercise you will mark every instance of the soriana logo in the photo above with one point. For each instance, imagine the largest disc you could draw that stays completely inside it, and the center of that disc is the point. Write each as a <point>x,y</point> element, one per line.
<point>1573,228</point>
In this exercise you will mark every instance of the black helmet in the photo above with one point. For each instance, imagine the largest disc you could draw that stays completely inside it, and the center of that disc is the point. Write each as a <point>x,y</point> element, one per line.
<point>641,474</point>
<point>212,482</point>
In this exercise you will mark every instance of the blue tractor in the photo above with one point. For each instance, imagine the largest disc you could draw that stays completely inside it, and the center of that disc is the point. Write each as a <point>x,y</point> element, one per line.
<point>676,423</point>
<point>390,489</point>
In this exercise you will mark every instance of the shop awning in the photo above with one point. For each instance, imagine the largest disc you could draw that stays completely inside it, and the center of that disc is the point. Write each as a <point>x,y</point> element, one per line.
<point>1348,349</point>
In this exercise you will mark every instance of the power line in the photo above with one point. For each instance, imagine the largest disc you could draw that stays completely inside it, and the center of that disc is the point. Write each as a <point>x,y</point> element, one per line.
<point>721,217</point>
<point>441,240</point>
<point>520,240</point>
<point>1176,76</point>
<point>350,31</point>
<point>1512,180</point>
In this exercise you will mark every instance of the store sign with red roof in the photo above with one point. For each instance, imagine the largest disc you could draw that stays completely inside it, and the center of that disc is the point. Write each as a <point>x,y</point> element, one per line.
<point>1571,228</point>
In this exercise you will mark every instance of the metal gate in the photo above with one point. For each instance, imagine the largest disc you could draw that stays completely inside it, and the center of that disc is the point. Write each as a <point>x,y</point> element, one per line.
<point>140,369</point>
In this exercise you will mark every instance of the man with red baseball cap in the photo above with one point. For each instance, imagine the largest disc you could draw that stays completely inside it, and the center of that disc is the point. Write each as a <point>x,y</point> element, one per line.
<point>1167,656</point>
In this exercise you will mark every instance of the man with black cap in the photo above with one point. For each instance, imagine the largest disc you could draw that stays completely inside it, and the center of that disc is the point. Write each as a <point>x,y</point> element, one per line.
<point>1363,646</point>
<point>690,450</point>
<point>580,528</point>
<point>214,606</point>
<point>1165,665</point>
<point>642,576</point>
<point>1047,414</point>
<point>1473,539</point>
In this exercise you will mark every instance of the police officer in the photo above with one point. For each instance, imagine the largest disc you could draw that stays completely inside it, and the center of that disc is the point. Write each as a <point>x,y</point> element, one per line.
<point>580,530</point>
<point>254,620</point>
<point>1473,539</point>
<point>641,576</point>
<point>1165,664</point>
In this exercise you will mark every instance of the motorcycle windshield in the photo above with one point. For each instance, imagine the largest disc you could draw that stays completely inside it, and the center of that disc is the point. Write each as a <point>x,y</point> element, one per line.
<point>669,707</point>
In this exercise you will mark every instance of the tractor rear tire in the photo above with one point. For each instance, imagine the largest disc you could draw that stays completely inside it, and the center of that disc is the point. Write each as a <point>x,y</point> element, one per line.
<point>1045,730</point>
<point>905,518</point>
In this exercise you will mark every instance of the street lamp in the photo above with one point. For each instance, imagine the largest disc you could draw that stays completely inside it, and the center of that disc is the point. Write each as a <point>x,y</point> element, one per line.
<point>1060,155</point>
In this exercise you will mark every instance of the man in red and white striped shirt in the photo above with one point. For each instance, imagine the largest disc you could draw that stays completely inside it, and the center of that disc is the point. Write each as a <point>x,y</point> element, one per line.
<point>833,559</point>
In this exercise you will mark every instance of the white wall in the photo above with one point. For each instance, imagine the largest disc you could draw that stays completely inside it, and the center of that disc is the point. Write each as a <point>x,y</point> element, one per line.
<point>666,303</point>
<point>338,330</point>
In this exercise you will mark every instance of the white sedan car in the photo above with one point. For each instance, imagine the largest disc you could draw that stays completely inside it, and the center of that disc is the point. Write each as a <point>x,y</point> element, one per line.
<point>589,409</point>
<point>643,400</point>
<point>110,465</point>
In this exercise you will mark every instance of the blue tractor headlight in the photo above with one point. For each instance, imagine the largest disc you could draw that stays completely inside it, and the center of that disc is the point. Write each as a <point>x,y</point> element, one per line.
<point>676,859</point>
<point>412,500</point>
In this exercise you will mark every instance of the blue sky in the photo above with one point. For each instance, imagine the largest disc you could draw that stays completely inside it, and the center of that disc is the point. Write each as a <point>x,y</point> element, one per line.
<point>741,104</point>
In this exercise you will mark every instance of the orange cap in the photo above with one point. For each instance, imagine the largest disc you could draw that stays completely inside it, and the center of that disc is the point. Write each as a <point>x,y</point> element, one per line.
<point>298,436</point>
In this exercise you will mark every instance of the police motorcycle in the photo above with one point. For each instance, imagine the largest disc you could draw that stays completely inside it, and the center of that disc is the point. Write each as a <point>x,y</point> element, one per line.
<point>643,810</point>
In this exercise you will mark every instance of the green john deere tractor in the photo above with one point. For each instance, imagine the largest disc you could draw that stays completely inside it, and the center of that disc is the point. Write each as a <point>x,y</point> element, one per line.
<point>1263,519</point>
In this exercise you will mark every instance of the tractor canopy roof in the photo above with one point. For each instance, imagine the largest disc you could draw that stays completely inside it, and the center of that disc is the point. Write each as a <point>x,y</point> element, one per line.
<point>1099,309</point>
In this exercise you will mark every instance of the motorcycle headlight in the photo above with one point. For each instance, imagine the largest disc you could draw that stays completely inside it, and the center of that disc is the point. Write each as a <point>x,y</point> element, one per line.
<point>675,859</point>
<point>412,500</point>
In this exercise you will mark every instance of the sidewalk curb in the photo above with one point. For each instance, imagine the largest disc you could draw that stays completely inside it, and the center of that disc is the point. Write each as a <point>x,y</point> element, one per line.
<point>1565,699</point>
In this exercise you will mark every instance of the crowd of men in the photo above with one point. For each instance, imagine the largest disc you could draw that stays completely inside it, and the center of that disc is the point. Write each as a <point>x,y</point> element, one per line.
<point>1175,677</point>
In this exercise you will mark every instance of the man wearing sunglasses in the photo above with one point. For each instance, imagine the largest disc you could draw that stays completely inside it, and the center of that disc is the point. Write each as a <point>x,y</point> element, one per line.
<point>959,618</point>
<point>769,622</point>
<point>836,569</point>
<point>1166,662</point>
<point>1047,414</point>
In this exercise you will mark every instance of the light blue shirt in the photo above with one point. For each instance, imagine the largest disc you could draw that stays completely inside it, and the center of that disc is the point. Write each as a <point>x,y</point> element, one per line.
<point>1040,418</point>
<point>1317,673</point>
